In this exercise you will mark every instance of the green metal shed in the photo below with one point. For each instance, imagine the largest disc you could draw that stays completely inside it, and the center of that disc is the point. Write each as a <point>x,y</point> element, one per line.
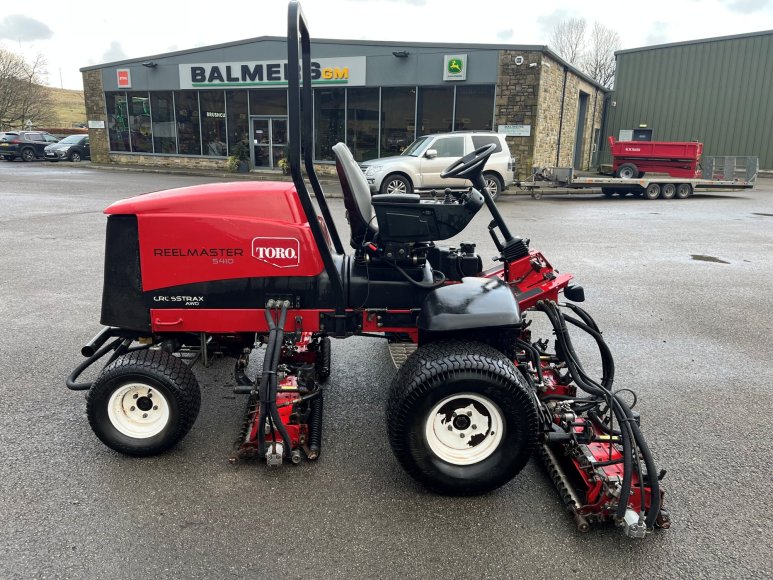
<point>717,90</point>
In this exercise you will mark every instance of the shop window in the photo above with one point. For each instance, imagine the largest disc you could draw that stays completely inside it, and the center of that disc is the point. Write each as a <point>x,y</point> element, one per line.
<point>117,121</point>
<point>398,120</point>
<point>188,135</point>
<point>139,122</point>
<point>212,105</point>
<point>474,107</point>
<point>269,102</point>
<point>362,123</point>
<point>162,115</point>
<point>328,121</point>
<point>435,109</point>
<point>238,127</point>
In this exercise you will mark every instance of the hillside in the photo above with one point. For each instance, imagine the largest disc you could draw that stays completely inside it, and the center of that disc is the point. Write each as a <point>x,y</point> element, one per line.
<point>69,107</point>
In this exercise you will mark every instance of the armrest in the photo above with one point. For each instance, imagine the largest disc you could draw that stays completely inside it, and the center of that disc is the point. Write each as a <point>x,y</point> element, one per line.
<point>396,198</point>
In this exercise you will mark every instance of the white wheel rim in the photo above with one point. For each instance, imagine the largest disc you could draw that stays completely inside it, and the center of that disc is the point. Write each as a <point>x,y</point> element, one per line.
<point>464,429</point>
<point>492,186</point>
<point>138,410</point>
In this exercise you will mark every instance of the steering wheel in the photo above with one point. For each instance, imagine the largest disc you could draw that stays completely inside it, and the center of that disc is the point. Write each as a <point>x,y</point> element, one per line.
<point>466,167</point>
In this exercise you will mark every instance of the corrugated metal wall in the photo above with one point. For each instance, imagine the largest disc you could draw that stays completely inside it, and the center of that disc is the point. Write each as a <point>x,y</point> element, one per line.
<point>719,92</point>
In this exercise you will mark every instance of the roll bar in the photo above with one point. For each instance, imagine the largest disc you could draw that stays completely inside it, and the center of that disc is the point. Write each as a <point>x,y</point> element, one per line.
<point>300,100</point>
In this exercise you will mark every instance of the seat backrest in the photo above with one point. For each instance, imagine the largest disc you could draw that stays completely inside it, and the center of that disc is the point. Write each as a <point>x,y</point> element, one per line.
<point>356,192</point>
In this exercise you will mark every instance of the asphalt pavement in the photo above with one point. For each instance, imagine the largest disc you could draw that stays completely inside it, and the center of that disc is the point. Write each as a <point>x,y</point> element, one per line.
<point>680,289</point>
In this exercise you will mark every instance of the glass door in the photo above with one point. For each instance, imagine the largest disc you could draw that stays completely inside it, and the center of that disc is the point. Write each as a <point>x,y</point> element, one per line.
<point>269,141</point>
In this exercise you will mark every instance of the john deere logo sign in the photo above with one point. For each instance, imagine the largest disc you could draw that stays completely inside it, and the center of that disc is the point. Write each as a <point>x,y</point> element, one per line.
<point>455,67</point>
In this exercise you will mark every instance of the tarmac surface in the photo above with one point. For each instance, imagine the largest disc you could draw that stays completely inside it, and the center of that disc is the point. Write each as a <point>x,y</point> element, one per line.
<point>681,289</point>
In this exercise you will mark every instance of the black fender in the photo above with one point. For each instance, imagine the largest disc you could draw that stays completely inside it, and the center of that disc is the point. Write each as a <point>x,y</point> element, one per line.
<point>475,303</point>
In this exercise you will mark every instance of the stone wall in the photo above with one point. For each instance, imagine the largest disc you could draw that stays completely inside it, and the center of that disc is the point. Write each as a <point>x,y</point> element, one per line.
<point>172,161</point>
<point>95,111</point>
<point>516,103</point>
<point>550,118</point>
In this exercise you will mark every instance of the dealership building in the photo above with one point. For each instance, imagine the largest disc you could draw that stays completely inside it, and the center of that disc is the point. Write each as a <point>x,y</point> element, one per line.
<point>195,108</point>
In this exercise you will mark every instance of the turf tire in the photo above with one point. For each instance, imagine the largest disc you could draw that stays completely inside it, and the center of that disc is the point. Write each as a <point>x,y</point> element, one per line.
<point>159,371</point>
<point>441,370</point>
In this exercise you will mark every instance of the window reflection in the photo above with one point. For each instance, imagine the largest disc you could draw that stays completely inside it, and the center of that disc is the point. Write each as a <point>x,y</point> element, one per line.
<point>117,121</point>
<point>474,107</point>
<point>188,136</point>
<point>212,105</point>
<point>398,120</point>
<point>162,115</point>
<point>139,122</point>
<point>362,123</point>
<point>328,121</point>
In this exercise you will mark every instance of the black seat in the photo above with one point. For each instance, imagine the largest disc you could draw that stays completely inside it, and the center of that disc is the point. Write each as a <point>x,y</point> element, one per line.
<point>359,208</point>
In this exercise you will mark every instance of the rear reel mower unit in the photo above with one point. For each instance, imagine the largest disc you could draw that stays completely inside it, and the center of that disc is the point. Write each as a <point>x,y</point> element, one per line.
<point>233,268</point>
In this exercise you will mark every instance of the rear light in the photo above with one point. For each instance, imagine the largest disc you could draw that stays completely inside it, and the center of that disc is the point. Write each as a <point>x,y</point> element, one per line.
<point>510,163</point>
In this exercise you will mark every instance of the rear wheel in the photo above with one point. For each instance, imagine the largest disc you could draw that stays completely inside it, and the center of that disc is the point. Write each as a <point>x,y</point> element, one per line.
<point>683,190</point>
<point>668,191</point>
<point>27,155</point>
<point>628,171</point>
<point>143,403</point>
<point>652,191</point>
<point>396,184</point>
<point>494,184</point>
<point>460,418</point>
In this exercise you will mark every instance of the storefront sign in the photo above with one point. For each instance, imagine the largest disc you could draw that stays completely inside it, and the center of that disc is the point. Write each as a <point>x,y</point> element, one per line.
<point>515,130</point>
<point>455,67</point>
<point>124,78</point>
<point>348,72</point>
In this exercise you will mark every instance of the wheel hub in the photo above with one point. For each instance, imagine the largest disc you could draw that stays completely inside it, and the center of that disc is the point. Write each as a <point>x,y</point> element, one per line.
<point>138,411</point>
<point>464,429</point>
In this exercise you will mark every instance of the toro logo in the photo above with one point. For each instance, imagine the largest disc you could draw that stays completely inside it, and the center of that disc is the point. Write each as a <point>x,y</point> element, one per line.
<point>279,252</point>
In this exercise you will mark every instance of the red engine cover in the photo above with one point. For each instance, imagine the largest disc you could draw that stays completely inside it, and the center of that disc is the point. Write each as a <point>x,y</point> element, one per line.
<point>221,231</point>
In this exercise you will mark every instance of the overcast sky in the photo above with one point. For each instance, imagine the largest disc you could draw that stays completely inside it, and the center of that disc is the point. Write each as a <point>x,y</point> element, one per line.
<point>76,34</point>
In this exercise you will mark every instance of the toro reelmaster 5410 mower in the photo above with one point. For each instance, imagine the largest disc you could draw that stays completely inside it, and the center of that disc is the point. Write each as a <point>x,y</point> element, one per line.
<point>229,268</point>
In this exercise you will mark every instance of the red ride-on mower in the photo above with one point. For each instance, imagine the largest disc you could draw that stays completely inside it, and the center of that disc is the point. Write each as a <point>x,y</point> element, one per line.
<point>229,268</point>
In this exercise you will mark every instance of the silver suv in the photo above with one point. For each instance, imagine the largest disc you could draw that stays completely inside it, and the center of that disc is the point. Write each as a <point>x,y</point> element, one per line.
<point>419,166</point>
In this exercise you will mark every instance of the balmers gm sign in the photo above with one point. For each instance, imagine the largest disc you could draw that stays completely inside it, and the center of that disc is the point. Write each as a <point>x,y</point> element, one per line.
<point>348,71</point>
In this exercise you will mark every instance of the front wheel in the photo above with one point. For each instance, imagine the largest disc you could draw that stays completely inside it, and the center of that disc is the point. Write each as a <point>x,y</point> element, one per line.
<point>460,418</point>
<point>396,184</point>
<point>75,157</point>
<point>494,184</point>
<point>143,403</point>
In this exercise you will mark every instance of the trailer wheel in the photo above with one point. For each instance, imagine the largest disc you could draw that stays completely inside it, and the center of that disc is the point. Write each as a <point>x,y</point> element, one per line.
<point>684,190</point>
<point>652,191</point>
<point>143,403</point>
<point>628,171</point>
<point>608,191</point>
<point>460,418</point>
<point>536,194</point>
<point>668,191</point>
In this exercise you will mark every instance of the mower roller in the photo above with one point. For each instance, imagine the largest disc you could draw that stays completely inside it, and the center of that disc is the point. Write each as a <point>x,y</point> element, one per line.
<point>231,268</point>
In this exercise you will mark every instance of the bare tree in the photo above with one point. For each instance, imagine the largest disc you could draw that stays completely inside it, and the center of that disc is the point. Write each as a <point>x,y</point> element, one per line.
<point>593,55</point>
<point>568,39</point>
<point>599,62</point>
<point>23,96</point>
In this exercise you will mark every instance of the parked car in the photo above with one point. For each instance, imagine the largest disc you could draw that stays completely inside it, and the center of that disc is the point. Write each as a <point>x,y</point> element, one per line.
<point>72,147</point>
<point>419,166</point>
<point>28,145</point>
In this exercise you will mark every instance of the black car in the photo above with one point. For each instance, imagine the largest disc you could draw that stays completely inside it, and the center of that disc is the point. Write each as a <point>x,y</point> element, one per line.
<point>28,145</point>
<point>72,147</point>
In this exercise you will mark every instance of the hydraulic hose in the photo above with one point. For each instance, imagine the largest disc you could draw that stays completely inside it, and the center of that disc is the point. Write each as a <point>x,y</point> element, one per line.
<point>273,386</point>
<point>264,383</point>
